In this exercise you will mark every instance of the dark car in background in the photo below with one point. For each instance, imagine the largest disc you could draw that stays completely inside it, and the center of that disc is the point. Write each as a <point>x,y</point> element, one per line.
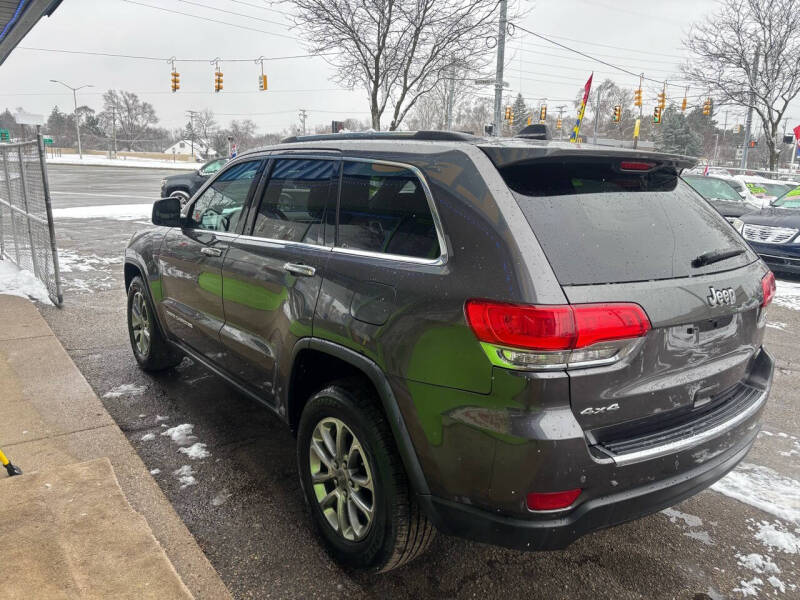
<point>774,232</point>
<point>720,194</point>
<point>184,185</point>
<point>514,341</point>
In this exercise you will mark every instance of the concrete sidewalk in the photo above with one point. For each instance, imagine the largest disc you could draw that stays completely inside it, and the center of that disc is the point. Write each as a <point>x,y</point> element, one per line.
<point>51,418</point>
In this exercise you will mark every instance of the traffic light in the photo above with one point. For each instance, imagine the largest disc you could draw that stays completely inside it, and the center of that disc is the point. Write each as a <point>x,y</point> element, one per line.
<point>176,81</point>
<point>637,97</point>
<point>617,114</point>
<point>509,116</point>
<point>738,128</point>
<point>262,82</point>
<point>217,81</point>
<point>707,106</point>
<point>753,143</point>
<point>683,104</point>
<point>530,120</point>
<point>558,123</point>
<point>657,115</point>
<point>662,100</point>
<point>543,113</point>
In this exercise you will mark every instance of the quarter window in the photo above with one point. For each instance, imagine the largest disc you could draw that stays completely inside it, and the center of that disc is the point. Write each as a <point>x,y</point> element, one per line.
<point>294,200</point>
<point>220,206</point>
<point>383,208</point>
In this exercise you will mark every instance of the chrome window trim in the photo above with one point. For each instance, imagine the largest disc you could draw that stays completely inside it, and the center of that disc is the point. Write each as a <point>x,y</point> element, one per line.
<point>254,240</point>
<point>437,221</point>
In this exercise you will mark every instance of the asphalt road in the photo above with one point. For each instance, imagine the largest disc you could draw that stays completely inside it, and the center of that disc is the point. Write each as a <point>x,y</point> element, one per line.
<point>245,507</point>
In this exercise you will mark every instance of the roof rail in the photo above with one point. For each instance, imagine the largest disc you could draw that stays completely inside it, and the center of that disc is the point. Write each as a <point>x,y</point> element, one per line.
<point>433,135</point>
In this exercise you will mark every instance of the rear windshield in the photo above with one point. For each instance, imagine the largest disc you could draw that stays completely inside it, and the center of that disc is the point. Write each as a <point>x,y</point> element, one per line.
<point>790,199</point>
<point>597,224</point>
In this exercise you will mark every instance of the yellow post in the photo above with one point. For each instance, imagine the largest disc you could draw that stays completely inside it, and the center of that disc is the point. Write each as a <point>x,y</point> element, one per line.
<point>636,132</point>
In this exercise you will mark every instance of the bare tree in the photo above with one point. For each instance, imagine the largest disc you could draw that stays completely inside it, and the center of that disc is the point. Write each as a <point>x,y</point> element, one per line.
<point>724,50</point>
<point>398,50</point>
<point>205,124</point>
<point>133,117</point>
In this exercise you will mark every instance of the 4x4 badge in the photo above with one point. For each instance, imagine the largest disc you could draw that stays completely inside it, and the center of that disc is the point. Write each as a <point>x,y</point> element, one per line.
<point>719,297</point>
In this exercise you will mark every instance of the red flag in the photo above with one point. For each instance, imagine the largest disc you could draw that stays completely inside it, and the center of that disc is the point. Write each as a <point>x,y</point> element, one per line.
<point>797,133</point>
<point>576,130</point>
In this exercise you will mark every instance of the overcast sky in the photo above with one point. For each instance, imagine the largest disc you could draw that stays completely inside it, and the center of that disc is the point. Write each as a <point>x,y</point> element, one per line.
<point>641,36</point>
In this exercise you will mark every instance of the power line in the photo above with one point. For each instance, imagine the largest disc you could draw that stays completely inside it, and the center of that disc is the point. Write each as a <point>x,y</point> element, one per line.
<point>209,19</point>
<point>526,48</point>
<point>270,9</point>
<point>559,37</point>
<point>164,58</point>
<point>230,12</point>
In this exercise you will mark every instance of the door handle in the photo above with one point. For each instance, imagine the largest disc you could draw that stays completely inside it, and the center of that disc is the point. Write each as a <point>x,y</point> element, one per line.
<point>299,270</point>
<point>208,251</point>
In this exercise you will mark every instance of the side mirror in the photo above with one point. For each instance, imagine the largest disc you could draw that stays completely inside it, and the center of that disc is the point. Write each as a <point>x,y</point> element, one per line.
<point>167,212</point>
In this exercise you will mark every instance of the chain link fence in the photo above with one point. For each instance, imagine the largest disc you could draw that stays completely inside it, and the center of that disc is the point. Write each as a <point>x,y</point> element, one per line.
<point>27,235</point>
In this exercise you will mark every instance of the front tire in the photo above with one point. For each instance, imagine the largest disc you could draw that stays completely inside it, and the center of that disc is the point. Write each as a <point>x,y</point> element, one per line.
<point>353,479</point>
<point>152,351</point>
<point>181,195</point>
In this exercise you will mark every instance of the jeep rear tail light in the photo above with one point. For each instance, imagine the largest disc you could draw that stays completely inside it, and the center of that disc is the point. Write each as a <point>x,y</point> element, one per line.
<point>767,288</point>
<point>552,500</point>
<point>523,336</point>
<point>629,165</point>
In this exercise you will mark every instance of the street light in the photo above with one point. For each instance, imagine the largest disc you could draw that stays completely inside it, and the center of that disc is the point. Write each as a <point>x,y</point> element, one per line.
<point>75,100</point>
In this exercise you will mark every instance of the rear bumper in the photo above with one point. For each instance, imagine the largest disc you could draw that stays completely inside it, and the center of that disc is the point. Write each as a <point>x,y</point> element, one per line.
<point>556,533</point>
<point>615,489</point>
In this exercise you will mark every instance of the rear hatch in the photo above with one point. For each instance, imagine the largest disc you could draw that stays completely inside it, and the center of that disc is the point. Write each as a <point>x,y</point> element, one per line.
<point>617,227</point>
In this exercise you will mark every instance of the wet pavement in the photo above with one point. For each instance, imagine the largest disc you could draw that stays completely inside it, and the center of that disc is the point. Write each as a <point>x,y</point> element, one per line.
<point>243,504</point>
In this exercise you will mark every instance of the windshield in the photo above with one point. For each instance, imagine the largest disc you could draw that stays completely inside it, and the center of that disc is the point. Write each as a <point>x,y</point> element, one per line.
<point>790,199</point>
<point>599,225</point>
<point>768,189</point>
<point>713,189</point>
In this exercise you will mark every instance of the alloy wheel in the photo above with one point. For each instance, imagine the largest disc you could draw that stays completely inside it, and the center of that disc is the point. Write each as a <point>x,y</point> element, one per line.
<point>342,479</point>
<point>140,324</point>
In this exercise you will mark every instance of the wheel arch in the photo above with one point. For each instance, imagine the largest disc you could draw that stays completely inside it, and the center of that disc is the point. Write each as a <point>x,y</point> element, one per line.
<point>132,268</point>
<point>355,364</point>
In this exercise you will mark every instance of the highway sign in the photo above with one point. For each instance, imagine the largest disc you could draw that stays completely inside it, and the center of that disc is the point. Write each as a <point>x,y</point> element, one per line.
<point>4,135</point>
<point>48,141</point>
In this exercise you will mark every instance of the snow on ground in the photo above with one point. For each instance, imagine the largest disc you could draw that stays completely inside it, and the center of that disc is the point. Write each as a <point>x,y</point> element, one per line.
<point>674,515</point>
<point>221,498</point>
<point>185,476</point>
<point>750,588</point>
<point>181,434</point>
<point>119,212</point>
<point>19,282</point>
<point>777,325</point>
<point>787,294</point>
<point>196,451</point>
<point>776,536</point>
<point>763,488</point>
<point>101,161</point>
<point>126,389</point>
<point>70,261</point>
<point>155,471</point>
<point>758,563</point>
<point>148,437</point>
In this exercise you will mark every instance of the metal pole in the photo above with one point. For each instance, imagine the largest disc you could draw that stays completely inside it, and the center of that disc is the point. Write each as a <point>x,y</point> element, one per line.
<point>11,203</point>
<point>77,125</point>
<point>596,116</point>
<point>451,92</point>
<point>59,299</point>
<point>501,56</point>
<point>749,120</point>
<point>716,147</point>
<point>24,188</point>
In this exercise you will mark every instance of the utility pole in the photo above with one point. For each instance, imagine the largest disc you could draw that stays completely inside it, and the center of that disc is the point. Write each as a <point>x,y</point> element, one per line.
<point>749,120</point>
<point>114,126</point>
<point>303,115</point>
<point>498,78</point>
<point>596,115</point>
<point>75,100</point>
<point>451,94</point>
<point>191,114</point>
<point>560,116</point>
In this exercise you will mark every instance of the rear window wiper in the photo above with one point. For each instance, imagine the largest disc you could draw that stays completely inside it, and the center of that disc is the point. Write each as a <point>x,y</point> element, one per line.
<point>713,256</point>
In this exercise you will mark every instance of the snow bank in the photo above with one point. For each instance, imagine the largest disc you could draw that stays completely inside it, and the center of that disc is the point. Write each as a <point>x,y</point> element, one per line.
<point>776,537</point>
<point>18,282</point>
<point>118,212</point>
<point>92,160</point>
<point>763,488</point>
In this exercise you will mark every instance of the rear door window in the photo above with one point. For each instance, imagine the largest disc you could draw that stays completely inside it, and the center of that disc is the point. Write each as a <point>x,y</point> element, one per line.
<point>597,224</point>
<point>294,200</point>
<point>384,209</point>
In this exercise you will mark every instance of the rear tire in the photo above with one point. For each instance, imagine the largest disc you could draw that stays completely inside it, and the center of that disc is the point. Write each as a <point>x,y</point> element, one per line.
<point>367,473</point>
<point>152,351</point>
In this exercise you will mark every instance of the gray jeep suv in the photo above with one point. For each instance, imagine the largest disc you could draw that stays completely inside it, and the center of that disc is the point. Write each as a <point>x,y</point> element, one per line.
<point>513,341</point>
